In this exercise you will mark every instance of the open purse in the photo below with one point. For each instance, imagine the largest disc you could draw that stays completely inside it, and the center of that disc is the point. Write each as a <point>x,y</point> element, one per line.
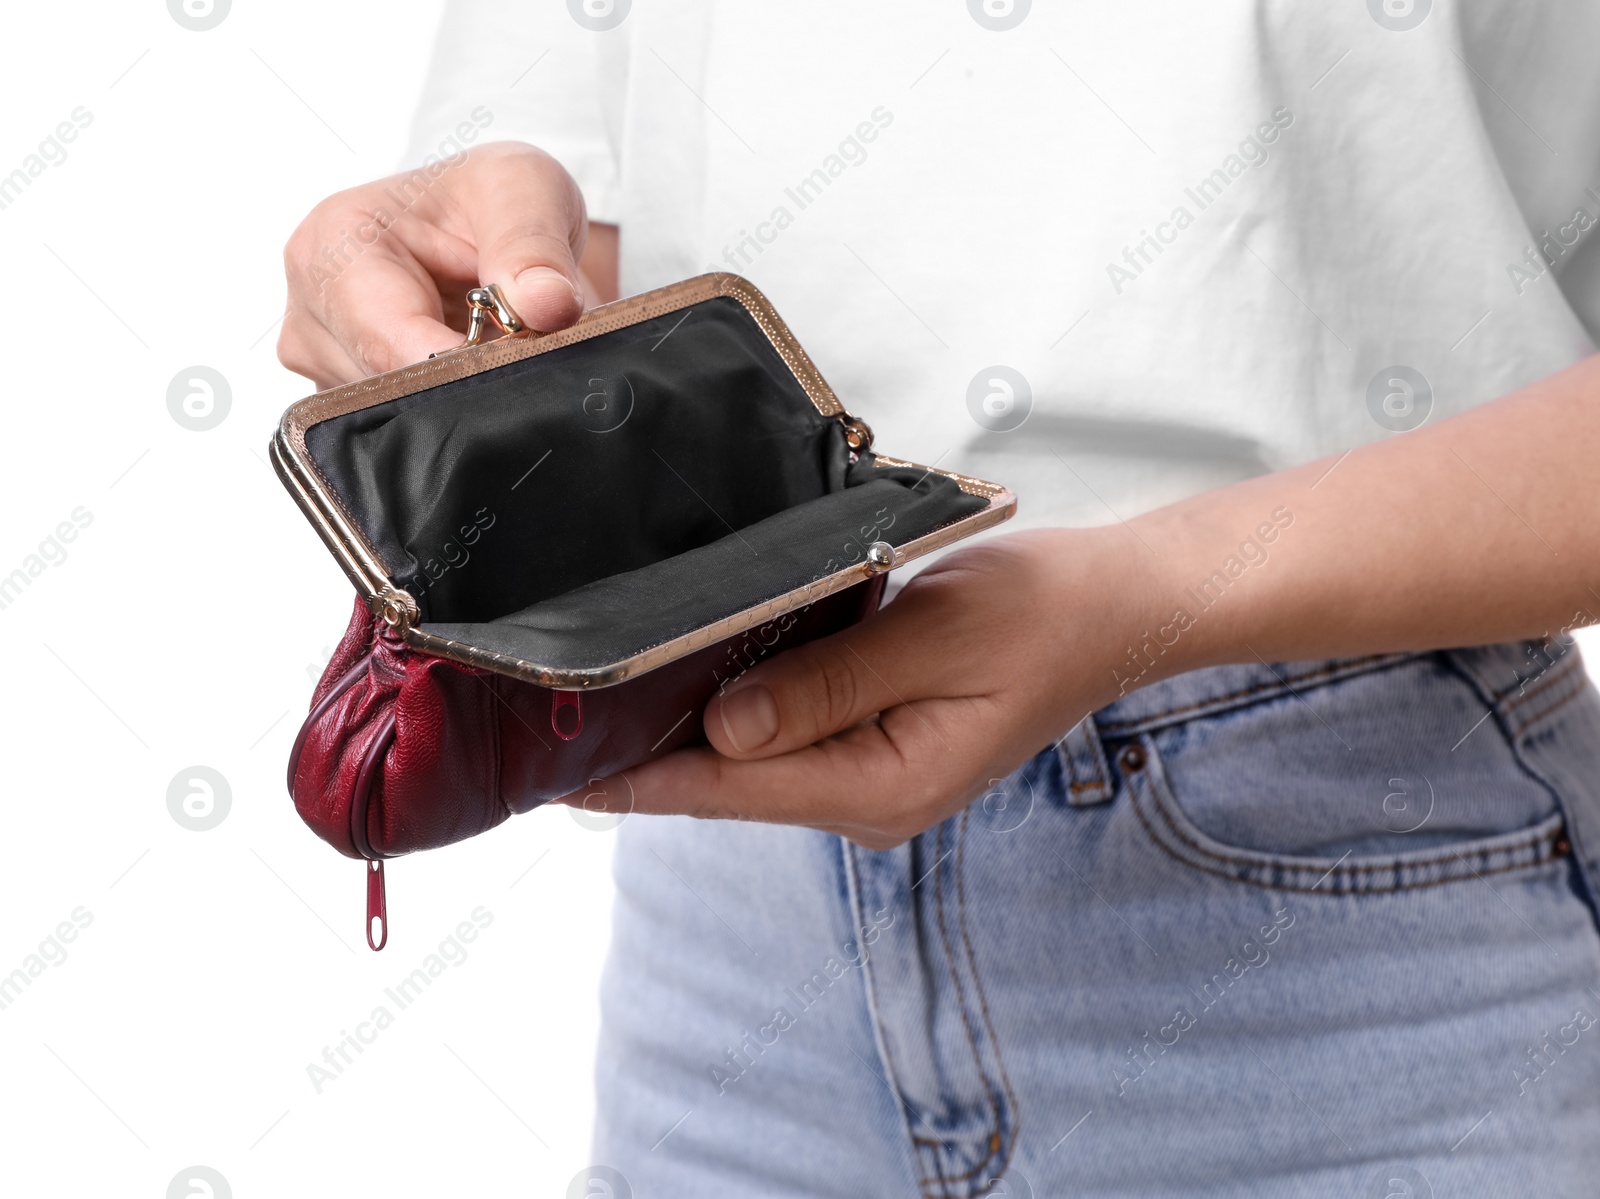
<point>563,544</point>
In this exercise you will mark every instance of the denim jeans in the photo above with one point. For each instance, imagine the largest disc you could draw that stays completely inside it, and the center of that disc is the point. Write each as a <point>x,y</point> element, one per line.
<point>1309,929</point>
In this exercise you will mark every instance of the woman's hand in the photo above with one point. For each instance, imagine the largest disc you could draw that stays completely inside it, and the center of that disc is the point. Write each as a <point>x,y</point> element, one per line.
<point>1478,529</point>
<point>378,274</point>
<point>882,730</point>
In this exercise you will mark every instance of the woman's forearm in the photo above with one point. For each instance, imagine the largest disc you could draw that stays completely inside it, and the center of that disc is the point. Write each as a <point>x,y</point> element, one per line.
<point>1482,528</point>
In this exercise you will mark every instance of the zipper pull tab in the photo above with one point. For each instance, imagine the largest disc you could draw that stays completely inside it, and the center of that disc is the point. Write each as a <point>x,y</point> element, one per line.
<point>566,700</point>
<point>377,906</point>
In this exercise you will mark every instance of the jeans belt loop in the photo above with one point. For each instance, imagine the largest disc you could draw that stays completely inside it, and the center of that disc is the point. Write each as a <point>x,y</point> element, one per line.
<point>1084,761</point>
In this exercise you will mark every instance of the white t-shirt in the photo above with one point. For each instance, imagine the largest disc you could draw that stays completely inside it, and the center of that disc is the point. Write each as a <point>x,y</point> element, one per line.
<point>1181,242</point>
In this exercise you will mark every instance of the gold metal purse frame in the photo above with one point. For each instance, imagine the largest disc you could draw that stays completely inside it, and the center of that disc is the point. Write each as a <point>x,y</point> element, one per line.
<point>374,580</point>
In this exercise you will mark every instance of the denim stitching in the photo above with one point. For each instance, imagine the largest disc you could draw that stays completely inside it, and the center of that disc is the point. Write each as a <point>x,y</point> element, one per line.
<point>996,1139</point>
<point>1094,751</point>
<point>933,1154</point>
<point>877,1009</point>
<point>1509,701</point>
<point>1538,719</point>
<point>1516,737</point>
<point>1504,709</point>
<point>966,1018</point>
<point>1547,843</point>
<point>1316,890</point>
<point>998,1145</point>
<point>1078,786</point>
<point>1441,857</point>
<point>1348,668</point>
<point>928,1148</point>
<point>1064,752</point>
<point>1532,721</point>
<point>1588,870</point>
<point>1541,689</point>
<point>1097,754</point>
<point>1338,671</point>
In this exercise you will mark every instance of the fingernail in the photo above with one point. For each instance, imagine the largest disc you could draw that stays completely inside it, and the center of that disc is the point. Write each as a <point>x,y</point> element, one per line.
<point>749,717</point>
<point>543,288</point>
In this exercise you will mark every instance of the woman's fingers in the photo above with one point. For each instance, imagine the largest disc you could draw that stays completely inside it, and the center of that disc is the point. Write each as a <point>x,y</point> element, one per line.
<point>828,686</point>
<point>371,267</point>
<point>873,784</point>
<point>527,220</point>
<point>369,309</point>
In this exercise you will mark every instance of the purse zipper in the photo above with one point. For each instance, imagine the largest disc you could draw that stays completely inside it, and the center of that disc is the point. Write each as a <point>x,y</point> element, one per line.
<point>566,701</point>
<point>377,897</point>
<point>360,803</point>
<point>377,904</point>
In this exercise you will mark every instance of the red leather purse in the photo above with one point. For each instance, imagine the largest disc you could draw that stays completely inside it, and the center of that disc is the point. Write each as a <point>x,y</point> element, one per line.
<point>564,544</point>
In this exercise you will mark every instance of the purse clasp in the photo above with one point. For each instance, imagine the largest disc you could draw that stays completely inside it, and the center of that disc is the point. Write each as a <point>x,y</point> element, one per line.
<point>484,304</point>
<point>857,433</point>
<point>396,608</point>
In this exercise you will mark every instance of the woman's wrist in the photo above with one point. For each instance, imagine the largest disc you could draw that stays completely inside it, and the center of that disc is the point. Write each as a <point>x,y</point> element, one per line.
<point>1179,588</point>
<point>1122,607</point>
<point>1471,531</point>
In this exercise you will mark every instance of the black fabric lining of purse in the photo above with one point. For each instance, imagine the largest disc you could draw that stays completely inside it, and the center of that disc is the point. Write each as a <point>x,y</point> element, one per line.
<point>579,506</point>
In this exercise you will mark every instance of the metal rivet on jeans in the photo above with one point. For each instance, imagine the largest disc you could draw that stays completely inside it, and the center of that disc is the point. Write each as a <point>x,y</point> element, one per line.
<point>1132,759</point>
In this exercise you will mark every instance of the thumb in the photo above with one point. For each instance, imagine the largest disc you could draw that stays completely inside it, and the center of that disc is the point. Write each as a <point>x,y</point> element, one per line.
<point>817,690</point>
<point>528,222</point>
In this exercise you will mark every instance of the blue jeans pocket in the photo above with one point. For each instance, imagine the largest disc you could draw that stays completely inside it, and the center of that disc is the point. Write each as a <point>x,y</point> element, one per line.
<point>1397,778</point>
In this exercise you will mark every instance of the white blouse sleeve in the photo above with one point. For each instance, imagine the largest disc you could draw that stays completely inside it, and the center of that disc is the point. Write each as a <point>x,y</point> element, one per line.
<point>509,71</point>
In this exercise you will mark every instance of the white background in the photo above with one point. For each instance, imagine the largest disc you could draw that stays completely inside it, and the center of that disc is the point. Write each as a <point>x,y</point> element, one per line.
<point>185,627</point>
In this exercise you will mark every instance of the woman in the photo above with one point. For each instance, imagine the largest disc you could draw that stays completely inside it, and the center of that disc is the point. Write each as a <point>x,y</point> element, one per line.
<point>1172,844</point>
